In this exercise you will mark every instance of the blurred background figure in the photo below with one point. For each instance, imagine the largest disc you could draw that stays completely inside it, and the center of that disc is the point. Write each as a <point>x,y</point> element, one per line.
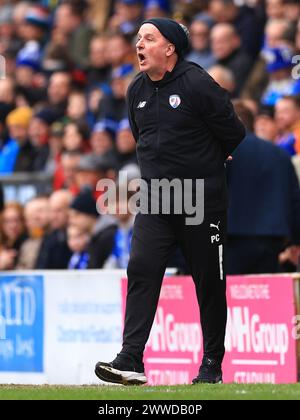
<point>261,178</point>
<point>287,116</point>
<point>226,47</point>
<point>200,41</point>
<point>78,240</point>
<point>265,125</point>
<point>54,252</point>
<point>12,234</point>
<point>36,215</point>
<point>18,154</point>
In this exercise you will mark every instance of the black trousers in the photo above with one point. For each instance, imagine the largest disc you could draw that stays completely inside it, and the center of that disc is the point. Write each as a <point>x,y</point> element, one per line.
<point>154,238</point>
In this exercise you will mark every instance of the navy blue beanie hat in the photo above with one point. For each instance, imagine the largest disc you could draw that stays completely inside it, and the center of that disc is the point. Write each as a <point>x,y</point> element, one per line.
<point>177,34</point>
<point>85,203</point>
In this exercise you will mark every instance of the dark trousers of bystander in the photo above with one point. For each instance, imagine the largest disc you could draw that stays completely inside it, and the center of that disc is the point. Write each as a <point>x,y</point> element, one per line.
<point>253,254</point>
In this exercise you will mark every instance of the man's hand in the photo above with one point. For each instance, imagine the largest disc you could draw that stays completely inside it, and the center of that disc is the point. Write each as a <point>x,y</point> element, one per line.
<point>290,254</point>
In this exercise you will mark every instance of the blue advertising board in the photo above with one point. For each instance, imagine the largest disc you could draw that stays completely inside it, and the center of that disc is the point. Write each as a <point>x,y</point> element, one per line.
<point>21,323</point>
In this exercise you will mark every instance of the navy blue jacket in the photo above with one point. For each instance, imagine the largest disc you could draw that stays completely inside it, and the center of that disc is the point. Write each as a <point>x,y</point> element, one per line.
<point>264,195</point>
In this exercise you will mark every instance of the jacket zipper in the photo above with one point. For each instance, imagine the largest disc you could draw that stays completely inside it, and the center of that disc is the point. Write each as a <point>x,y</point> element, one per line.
<point>157,118</point>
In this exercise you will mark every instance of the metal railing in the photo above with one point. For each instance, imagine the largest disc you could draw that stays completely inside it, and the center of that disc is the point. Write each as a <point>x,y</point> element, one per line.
<point>22,186</point>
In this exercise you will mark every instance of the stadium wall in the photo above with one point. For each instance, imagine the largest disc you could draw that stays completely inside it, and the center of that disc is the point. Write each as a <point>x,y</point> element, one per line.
<point>55,325</point>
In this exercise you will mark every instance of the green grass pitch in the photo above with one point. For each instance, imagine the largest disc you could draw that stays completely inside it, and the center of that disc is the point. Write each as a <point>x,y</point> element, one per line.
<point>179,392</point>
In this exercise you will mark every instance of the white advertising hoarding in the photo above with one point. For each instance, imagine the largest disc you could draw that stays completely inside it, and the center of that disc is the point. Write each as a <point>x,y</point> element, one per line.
<point>58,324</point>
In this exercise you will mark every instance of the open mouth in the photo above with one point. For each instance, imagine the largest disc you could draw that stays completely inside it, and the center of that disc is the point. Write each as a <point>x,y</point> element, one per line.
<point>141,58</point>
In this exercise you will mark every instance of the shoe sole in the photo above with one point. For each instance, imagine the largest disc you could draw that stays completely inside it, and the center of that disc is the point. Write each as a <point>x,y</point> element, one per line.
<point>207,382</point>
<point>109,374</point>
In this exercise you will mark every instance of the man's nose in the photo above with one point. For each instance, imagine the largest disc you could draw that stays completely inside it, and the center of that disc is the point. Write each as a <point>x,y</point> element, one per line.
<point>139,44</point>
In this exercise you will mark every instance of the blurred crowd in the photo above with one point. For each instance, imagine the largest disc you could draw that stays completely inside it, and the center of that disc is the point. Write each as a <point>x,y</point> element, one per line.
<point>68,64</point>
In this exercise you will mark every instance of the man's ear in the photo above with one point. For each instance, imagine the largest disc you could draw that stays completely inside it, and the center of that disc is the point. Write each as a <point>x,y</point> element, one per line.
<point>170,50</point>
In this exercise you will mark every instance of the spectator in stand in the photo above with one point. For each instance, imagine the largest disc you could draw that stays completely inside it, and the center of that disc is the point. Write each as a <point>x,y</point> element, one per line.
<point>127,15</point>
<point>76,136</point>
<point>113,107</point>
<point>201,53</point>
<point>287,116</point>
<point>103,137</point>
<point>224,77</point>
<point>35,27</point>
<point>7,91</point>
<point>257,81</point>
<point>119,50</point>
<point>99,69</point>
<point>6,28</point>
<point>69,21</point>
<point>244,19</point>
<point>119,255</point>
<point>91,169</point>
<point>19,13</point>
<point>37,22</point>
<point>59,89</point>
<point>39,134</point>
<point>265,125</point>
<point>297,37</point>
<point>84,215</point>
<point>94,97</point>
<point>77,107</point>
<point>12,234</point>
<point>275,9</point>
<point>184,11</point>
<point>264,203</point>
<point>7,104</point>
<point>55,148</point>
<point>157,8</point>
<point>18,154</point>
<point>125,144</point>
<point>78,241</point>
<point>54,252</point>
<point>29,57</point>
<point>226,47</point>
<point>36,214</point>
<point>56,57</point>
<point>1,198</point>
<point>279,68</point>
<point>65,173</point>
<point>291,10</point>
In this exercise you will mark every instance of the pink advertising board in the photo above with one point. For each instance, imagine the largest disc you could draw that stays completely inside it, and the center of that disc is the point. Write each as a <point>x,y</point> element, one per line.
<point>260,336</point>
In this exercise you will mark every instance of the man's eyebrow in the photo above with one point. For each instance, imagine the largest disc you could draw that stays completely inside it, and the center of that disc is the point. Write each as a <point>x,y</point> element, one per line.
<point>146,34</point>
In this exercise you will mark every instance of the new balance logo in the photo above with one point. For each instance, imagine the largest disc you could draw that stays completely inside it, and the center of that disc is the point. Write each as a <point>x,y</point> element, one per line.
<point>142,104</point>
<point>215,226</point>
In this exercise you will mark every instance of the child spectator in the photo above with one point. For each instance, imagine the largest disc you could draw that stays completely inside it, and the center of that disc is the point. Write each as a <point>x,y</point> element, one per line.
<point>78,240</point>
